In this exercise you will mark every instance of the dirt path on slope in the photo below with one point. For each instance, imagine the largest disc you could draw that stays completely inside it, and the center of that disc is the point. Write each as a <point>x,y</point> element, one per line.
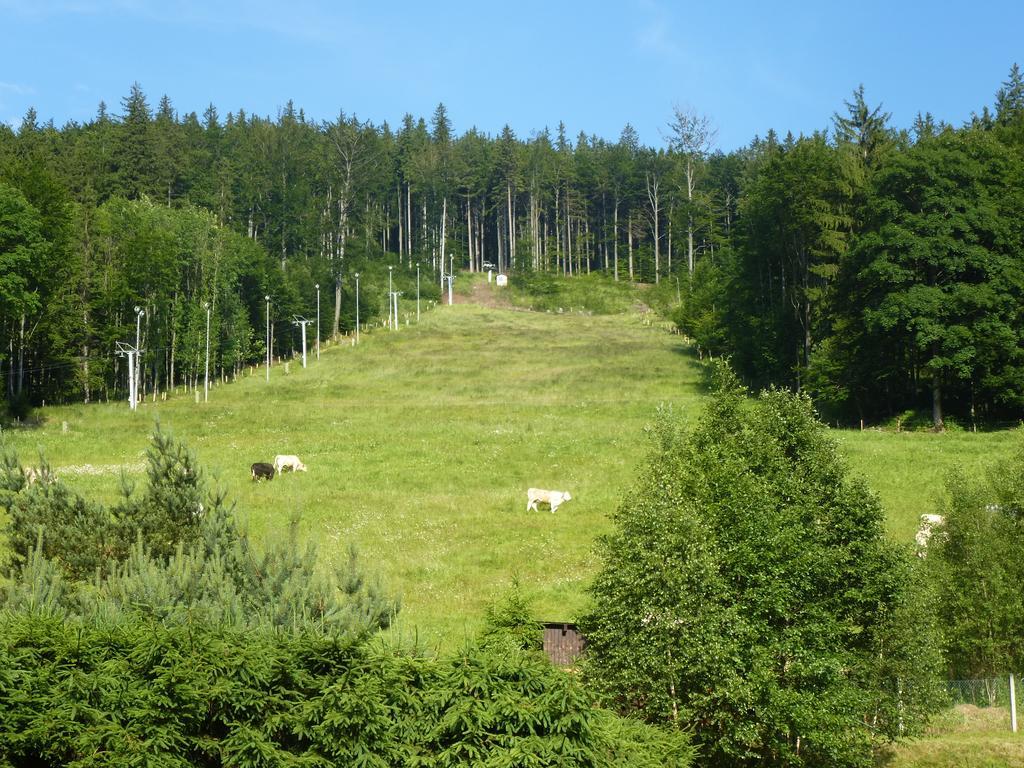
<point>486,295</point>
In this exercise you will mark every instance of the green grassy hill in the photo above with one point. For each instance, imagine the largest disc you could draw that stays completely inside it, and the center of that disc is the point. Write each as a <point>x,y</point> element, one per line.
<point>421,444</point>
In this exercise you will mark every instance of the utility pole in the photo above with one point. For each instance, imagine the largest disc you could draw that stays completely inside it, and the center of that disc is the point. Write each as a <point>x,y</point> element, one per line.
<point>303,322</point>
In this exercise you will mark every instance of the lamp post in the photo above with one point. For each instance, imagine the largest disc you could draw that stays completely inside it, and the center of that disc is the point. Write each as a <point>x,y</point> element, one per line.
<point>391,298</point>
<point>206,378</point>
<point>268,336</point>
<point>357,307</point>
<point>417,291</point>
<point>318,321</point>
<point>139,312</point>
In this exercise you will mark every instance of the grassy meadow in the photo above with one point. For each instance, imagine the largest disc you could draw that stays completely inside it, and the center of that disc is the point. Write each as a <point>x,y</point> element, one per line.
<point>961,736</point>
<point>421,443</point>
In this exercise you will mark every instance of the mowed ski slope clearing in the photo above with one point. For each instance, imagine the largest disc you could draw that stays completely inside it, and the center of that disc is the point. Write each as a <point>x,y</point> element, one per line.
<point>421,444</point>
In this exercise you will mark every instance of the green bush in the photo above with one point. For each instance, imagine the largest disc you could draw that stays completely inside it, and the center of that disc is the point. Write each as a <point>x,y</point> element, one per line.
<point>79,535</point>
<point>978,556</point>
<point>511,620</point>
<point>18,408</point>
<point>134,692</point>
<point>85,537</point>
<point>748,592</point>
<point>173,553</point>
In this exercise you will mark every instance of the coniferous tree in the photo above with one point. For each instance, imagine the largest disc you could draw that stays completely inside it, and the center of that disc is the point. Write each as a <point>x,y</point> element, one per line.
<point>862,126</point>
<point>1010,98</point>
<point>136,169</point>
<point>174,553</point>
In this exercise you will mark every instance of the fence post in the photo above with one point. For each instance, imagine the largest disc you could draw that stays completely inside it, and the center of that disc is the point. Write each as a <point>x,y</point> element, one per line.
<point>1013,706</point>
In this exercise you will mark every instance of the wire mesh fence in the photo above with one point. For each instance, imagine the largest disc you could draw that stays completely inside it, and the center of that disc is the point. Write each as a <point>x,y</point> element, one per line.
<point>984,692</point>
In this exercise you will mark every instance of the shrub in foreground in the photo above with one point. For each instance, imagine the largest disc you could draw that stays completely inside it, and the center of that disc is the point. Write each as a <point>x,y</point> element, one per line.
<point>747,592</point>
<point>978,559</point>
<point>135,691</point>
<point>173,552</point>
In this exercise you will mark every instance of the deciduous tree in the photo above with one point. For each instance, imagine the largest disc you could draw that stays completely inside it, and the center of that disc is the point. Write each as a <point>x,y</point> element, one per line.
<point>748,593</point>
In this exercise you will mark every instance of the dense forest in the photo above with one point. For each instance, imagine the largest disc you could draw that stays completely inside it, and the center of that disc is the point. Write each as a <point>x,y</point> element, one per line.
<point>876,268</point>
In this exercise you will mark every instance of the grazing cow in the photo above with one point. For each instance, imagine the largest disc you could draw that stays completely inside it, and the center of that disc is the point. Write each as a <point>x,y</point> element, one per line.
<point>553,498</point>
<point>262,471</point>
<point>925,530</point>
<point>282,462</point>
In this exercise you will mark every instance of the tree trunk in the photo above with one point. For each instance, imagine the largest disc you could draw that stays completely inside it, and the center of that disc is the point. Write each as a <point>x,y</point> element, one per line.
<point>615,240</point>
<point>174,338</point>
<point>671,211</point>
<point>408,220</point>
<point>21,355</point>
<point>86,390</point>
<point>469,235</point>
<point>511,223</point>
<point>629,240</point>
<point>558,231</point>
<point>401,229</point>
<point>444,219</point>
<point>568,236</point>
<point>481,236</point>
<point>423,226</point>
<point>653,199</point>
<point>689,215</point>
<point>937,422</point>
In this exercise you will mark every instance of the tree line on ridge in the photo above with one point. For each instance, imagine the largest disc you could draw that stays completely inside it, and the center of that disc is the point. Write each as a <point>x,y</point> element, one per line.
<point>877,269</point>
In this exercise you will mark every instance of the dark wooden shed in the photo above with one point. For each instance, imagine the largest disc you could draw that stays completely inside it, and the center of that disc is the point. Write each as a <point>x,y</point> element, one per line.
<point>563,642</point>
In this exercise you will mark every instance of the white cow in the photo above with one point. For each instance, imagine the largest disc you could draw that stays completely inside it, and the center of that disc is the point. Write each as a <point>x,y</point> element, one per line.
<point>925,530</point>
<point>288,461</point>
<point>539,495</point>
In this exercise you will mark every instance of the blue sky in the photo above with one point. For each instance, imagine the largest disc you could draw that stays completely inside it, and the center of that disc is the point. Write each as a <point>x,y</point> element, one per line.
<point>749,66</point>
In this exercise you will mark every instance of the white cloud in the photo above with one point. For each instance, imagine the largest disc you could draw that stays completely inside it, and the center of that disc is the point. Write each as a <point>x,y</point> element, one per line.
<point>17,88</point>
